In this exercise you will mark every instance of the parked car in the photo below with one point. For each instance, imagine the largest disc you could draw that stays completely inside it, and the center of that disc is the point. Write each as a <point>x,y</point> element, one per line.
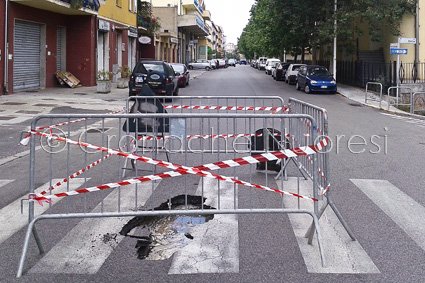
<point>213,64</point>
<point>315,78</point>
<point>261,65</point>
<point>159,75</point>
<point>231,62</point>
<point>183,79</point>
<point>270,65</point>
<point>242,62</point>
<point>200,64</point>
<point>254,63</point>
<point>278,73</point>
<point>291,73</point>
<point>222,63</point>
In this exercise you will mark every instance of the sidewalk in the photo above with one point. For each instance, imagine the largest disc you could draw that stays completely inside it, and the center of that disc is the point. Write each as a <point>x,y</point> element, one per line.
<point>358,95</point>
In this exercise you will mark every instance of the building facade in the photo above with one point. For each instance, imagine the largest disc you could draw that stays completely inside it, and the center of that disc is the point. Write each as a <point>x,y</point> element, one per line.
<point>191,27</point>
<point>116,36</point>
<point>3,47</point>
<point>166,40</point>
<point>46,36</point>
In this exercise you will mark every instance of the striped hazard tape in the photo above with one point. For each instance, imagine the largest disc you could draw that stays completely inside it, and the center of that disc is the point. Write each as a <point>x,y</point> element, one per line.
<point>179,170</point>
<point>27,137</point>
<point>229,108</point>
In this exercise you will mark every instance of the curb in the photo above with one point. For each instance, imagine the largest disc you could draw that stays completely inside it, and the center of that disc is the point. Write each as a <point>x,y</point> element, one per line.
<point>399,112</point>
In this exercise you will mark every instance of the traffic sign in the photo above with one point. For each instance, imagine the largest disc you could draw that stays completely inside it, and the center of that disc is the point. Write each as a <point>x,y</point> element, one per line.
<point>394,45</point>
<point>398,51</point>
<point>407,40</point>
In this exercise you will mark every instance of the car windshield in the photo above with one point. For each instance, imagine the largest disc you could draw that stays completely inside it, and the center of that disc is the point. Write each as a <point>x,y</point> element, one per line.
<point>319,72</point>
<point>274,63</point>
<point>296,67</point>
<point>178,68</point>
<point>154,67</point>
<point>140,69</point>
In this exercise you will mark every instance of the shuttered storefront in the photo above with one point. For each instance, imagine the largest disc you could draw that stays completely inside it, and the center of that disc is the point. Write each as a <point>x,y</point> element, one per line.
<point>26,59</point>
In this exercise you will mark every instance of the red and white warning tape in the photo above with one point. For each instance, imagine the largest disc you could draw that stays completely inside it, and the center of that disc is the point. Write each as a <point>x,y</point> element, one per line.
<point>181,170</point>
<point>27,137</point>
<point>76,174</point>
<point>229,108</point>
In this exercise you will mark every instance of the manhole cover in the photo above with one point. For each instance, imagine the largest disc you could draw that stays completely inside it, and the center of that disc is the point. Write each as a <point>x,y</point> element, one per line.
<point>14,103</point>
<point>159,237</point>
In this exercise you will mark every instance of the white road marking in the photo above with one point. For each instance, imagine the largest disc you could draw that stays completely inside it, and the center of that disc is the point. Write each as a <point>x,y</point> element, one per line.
<point>401,208</point>
<point>215,247</point>
<point>86,247</point>
<point>11,219</point>
<point>5,182</point>
<point>342,254</point>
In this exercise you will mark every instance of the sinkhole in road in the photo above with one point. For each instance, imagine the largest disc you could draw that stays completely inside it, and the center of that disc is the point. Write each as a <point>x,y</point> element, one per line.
<point>159,237</point>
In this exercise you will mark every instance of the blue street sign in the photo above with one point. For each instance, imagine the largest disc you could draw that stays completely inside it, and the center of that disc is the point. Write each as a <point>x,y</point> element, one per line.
<point>398,51</point>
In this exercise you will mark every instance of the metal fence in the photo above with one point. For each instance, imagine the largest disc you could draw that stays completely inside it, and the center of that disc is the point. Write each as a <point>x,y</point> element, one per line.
<point>221,146</point>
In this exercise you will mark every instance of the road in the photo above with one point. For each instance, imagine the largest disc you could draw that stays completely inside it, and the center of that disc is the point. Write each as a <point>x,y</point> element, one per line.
<point>381,196</point>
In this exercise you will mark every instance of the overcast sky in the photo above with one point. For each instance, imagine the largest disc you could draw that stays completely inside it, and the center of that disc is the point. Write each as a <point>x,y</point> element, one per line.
<point>232,15</point>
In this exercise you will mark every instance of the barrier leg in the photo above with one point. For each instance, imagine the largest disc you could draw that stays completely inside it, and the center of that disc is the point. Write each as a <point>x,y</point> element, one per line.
<point>25,247</point>
<point>310,232</point>
<point>319,238</point>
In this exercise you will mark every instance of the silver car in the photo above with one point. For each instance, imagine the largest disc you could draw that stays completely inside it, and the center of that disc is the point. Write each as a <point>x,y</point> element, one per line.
<point>200,64</point>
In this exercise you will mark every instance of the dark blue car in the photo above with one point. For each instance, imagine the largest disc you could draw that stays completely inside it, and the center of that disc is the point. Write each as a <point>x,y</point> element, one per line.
<point>313,78</point>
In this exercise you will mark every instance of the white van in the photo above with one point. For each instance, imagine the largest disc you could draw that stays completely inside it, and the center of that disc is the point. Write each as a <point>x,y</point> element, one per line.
<point>270,65</point>
<point>261,63</point>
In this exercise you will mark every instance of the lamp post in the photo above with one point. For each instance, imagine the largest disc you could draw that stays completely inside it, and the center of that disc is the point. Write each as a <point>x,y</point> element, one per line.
<point>335,38</point>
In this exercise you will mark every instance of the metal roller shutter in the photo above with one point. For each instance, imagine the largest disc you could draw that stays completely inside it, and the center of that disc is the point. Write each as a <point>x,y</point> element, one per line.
<point>26,63</point>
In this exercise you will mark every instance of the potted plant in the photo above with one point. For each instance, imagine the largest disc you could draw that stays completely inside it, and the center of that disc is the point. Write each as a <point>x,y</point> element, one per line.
<point>125,76</point>
<point>104,84</point>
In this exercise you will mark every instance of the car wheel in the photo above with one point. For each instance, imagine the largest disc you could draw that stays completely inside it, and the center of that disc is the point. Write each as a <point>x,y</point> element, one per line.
<point>207,68</point>
<point>190,67</point>
<point>307,89</point>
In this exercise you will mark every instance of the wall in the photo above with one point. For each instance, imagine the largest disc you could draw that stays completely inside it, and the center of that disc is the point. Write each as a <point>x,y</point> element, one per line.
<point>80,43</point>
<point>168,18</point>
<point>122,15</point>
<point>2,51</point>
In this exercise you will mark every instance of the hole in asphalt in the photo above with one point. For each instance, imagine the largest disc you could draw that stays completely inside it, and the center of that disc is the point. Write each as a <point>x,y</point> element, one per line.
<point>159,237</point>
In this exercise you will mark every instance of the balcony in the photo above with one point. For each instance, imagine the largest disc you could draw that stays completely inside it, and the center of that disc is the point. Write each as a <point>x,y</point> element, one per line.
<point>206,15</point>
<point>192,23</point>
<point>62,6</point>
<point>192,5</point>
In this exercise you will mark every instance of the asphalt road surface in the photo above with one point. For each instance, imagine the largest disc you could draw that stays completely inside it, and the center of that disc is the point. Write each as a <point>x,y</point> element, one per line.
<point>376,163</point>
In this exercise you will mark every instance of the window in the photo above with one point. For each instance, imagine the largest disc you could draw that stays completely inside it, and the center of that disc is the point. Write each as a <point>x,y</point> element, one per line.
<point>132,6</point>
<point>118,3</point>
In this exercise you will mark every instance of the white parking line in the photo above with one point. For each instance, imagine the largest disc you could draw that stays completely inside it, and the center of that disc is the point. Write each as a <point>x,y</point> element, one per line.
<point>401,208</point>
<point>86,247</point>
<point>215,247</point>
<point>342,254</point>
<point>11,219</point>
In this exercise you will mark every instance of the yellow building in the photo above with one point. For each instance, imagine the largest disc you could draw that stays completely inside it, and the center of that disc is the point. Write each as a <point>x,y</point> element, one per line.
<point>117,35</point>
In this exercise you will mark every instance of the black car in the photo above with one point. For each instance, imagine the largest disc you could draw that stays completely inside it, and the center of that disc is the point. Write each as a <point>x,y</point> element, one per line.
<point>279,71</point>
<point>159,75</point>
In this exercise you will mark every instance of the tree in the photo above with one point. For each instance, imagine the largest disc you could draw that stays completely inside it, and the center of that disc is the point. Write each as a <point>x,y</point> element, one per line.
<point>295,26</point>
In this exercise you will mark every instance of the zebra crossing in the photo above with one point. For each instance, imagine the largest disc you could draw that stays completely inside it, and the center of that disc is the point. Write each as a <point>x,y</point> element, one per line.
<point>216,246</point>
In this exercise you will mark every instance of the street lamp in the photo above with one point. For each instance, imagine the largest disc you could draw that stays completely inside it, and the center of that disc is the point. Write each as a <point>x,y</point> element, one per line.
<point>335,38</point>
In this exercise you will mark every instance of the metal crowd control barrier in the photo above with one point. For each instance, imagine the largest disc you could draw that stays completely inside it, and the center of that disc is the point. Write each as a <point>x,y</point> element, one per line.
<point>69,149</point>
<point>206,104</point>
<point>414,100</point>
<point>320,115</point>
<point>397,99</point>
<point>380,93</point>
